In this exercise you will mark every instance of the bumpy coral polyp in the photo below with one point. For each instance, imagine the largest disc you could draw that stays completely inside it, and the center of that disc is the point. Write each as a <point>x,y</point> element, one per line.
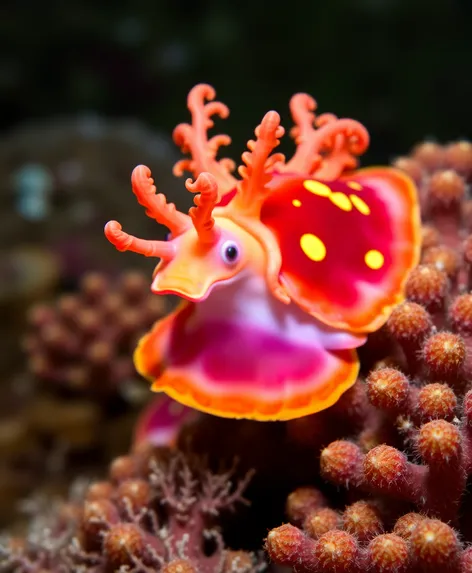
<point>126,544</point>
<point>302,502</point>
<point>386,468</point>
<point>285,544</point>
<point>444,354</point>
<point>433,543</point>
<point>439,442</point>
<point>341,462</point>
<point>362,519</point>
<point>388,553</point>
<point>321,521</point>
<point>336,551</point>
<point>388,389</point>
<point>436,401</point>
<point>427,286</point>
<point>460,314</point>
<point>446,188</point>
<point>409,322</point>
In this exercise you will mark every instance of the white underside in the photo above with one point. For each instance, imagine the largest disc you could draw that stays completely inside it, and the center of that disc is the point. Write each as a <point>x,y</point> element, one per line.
<point>248,301</point>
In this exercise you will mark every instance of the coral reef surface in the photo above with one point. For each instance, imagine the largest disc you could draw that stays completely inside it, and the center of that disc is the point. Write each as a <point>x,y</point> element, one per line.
<point>158,511</point>
<point>379,482</point>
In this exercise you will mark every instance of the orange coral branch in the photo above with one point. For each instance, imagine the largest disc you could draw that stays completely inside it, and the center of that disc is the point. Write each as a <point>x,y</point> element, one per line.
<point>192,138</point>
<point>124,242</point>
<point>328,150</point>
<point>205,202</point>
<point>256,172</point>
<point>156,205</point>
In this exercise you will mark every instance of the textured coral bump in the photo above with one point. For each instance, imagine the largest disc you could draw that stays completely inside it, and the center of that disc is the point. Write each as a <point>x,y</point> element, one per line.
<point>86,340</point>
<point>355,540</point>
<point>156,512</point>
<point>397,446</point>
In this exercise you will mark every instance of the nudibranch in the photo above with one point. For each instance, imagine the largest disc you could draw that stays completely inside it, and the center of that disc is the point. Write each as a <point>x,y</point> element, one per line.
<point>282,272</point>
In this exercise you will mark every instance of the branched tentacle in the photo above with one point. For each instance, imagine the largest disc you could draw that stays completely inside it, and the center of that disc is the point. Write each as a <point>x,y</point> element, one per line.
<point>341,142</point>
<point>156,205</point>
<point>206,200</point>
<point>192,139</point>
<point>256,172</point>
<point>326,145</point>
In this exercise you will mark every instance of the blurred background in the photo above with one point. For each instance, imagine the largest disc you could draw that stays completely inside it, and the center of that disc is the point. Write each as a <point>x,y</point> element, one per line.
<point>90,89</point>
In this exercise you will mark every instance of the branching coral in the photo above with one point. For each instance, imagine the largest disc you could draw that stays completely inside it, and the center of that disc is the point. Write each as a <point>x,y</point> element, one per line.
<point>406,460</point>
<point>354,541</point>
<point>442,174</point>
<point>82,395</point>
<point>157,512</point>
<point>85,342</point>
<point>383,474</point>
<point>427,475</point>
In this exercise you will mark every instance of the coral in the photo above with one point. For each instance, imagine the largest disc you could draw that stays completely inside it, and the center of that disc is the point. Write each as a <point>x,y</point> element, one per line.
<point>84,342</point>
<point>379,482</point>
<point>385,483</point>
<point>402,470</point>
<point>442,173</point>
<point>344,544</point>
<point>158,511</point>
<point>78,406</point>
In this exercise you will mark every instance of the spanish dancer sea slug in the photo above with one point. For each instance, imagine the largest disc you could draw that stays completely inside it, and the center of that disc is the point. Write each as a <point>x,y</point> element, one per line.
<point>282,272</point>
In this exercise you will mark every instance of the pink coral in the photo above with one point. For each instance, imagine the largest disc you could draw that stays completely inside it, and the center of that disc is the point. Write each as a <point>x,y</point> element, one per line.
<point>378,482</point>
<point>84,343</point>
<point>157,512</point>
<point>405,469</point>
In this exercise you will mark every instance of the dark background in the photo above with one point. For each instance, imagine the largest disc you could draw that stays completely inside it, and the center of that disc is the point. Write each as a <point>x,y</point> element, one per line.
<point>90,89</point>
<point>402,67</point>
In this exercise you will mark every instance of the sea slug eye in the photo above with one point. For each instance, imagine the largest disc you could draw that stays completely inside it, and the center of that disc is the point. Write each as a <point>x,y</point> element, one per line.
<point>230,252</point>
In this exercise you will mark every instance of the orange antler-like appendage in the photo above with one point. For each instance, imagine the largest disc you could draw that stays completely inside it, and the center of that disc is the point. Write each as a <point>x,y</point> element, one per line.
<point>192,139</point>
<point>156,205</point>
<point>205,202</point>
<point>256,172</point>
<point>330,149</point>
<point>124,242</point>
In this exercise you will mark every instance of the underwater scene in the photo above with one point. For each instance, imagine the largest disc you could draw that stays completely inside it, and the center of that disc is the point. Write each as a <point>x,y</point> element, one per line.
<point>236,288</point>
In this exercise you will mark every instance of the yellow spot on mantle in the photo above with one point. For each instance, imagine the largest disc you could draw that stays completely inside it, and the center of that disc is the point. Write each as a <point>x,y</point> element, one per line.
<point>341,201</point>
<point>317,188</point>
<point>360,204</point>
<point>313,247</point>
<point>374,259</point>
<point>354,185</point>
<point>296,203</point>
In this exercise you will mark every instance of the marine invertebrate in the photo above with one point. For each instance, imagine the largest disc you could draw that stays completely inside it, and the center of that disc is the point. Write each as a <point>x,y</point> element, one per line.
<point>442,173</point>
<point>78,404</point>
<point>407,507</point>
<point>403,473</point>
<point>157,512</point>
<point>354,540</point>
<point>84,342</point>
<point>264,268</point>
